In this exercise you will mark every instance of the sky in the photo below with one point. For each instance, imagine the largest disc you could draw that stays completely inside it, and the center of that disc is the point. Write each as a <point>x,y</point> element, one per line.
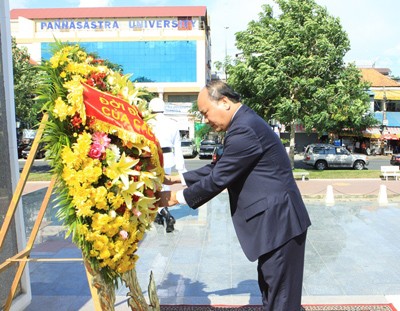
<point>373,26</point>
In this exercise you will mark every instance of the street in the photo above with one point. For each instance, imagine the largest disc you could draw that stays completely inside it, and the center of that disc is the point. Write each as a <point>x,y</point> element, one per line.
<point>375,163</point>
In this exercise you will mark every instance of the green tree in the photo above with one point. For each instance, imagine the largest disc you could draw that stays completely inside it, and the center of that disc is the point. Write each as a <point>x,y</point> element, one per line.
<point>291,69</point>
<point>224,66</point>
<point>25,82</point>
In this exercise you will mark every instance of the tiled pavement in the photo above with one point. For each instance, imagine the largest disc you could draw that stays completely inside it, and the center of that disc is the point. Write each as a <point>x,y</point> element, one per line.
<point>351,256</point>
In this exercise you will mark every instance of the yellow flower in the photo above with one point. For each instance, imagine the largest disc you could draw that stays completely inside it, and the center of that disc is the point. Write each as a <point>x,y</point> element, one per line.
<point>100,222</point>
<point>82,229</point>
<point>98,190</point>
<point>67,156</point>
<point>133,189</point>
<point>82,146</point>
<point>144,203</point>
<point>149,179</point>
<point>127,263</point>
<point>115,201</point>
<point>75,97</point>
<point>81,55</point>
<point>94,253</point>
<point>92,170</point>
<point>104,253</point>
<point>60,109</point>
<point>84,210</point>
<point>59,58</point>
<point>122,170</point>
<point>99,198</point>
<point>100,242</point>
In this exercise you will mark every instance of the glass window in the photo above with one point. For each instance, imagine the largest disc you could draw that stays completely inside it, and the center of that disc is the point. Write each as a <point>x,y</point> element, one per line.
<point>319,150</point>
<point>147,61</point>
<point>182,98</point>
<point>186,143</point>
<point>331,151</point>
<point>184,23</point>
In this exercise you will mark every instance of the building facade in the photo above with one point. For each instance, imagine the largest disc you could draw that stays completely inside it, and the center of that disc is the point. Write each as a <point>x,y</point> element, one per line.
<point>167,50</point>
<point>385,105</point>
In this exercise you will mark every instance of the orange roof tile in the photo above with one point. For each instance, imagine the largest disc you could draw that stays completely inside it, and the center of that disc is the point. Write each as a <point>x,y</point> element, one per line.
<point>377,79</point>
<point>110,12</point>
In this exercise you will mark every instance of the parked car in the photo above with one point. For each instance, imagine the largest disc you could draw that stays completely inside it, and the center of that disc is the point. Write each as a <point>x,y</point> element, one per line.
<point>40,154</point>
<point>188,148</point>
<point>322,156</point>
<point>206,148</point>
<point>22,145</point>
<point>217,153</point>
<point>28,135</point>
<point>395,159</point>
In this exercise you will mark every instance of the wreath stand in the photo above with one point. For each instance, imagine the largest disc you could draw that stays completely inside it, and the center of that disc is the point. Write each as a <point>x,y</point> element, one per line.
<point>103,295</point>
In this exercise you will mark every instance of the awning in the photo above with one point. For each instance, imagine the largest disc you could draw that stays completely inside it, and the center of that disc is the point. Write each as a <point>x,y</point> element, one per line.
<point>390,94</point>
<point>372,133</point>
<point>391,133</point>
<point>389,136</point>
<point>393,130</point>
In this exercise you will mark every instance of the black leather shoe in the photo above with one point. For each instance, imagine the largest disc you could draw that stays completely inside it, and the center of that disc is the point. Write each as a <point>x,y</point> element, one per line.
<point>170,224</point>
<point>159,219</point>
<point>169,219</point>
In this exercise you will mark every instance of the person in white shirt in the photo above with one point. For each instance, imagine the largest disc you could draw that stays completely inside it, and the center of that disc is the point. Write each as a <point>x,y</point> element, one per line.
<point>167,132</point>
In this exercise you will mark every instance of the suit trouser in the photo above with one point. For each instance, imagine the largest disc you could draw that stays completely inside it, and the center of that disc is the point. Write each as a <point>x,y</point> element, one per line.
<point>280,276</point>
<point>167,171</point>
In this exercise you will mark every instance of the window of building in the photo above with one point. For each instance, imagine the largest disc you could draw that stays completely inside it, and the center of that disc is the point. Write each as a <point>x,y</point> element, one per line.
<point>185,23</point>
<point>147,61</point>
<point>182,98</point>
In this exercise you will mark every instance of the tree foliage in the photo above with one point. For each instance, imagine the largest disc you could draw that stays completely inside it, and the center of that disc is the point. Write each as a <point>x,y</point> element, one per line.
<point>291,69</point>
<point>25,82</point>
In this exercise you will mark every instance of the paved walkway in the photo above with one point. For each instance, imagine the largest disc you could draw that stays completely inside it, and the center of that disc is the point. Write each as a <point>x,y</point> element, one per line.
<point>351,256</point>
<point>316,188</point>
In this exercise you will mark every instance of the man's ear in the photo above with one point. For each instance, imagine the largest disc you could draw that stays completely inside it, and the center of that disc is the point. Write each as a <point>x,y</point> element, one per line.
<point>226,103</point>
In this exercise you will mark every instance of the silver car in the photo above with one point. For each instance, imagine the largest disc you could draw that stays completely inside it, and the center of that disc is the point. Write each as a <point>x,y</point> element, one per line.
<point>323,156</point>
<point>188,148</point>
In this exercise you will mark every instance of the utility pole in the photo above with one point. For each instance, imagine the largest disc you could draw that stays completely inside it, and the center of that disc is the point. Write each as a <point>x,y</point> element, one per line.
<point>226,53</point>
<point>384,119</point>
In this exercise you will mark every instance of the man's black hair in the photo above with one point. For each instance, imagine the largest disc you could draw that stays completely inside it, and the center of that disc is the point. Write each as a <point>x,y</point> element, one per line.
<point>218,89</point>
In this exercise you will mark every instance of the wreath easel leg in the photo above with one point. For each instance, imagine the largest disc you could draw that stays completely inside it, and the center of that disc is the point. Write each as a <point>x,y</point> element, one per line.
<point>103,294</point>
<point>136,299</point>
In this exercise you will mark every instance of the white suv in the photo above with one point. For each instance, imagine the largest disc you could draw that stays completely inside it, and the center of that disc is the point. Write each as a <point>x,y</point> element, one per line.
<point>322,156</point>
<point>188,148</point>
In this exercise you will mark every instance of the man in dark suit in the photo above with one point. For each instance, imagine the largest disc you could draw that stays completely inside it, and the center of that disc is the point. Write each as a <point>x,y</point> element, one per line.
<point>267,210</point>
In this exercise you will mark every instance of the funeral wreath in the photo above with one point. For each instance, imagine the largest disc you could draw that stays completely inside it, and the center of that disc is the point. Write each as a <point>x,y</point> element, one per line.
<point>107,162</point>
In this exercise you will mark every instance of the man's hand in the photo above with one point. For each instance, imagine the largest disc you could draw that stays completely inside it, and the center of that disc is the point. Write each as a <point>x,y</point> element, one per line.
<point>171,179</point>
<point>166,198</point>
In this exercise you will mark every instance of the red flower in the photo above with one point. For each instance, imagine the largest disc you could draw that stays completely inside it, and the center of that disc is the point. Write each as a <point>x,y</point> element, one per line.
<point>96,150</point>
<point>149,193</point>
<point>76,120</point>
<point>91,121</point>
<point>121,209</point>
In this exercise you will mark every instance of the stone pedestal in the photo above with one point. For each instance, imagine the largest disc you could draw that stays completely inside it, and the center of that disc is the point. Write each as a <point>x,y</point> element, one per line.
<point>15,237</point>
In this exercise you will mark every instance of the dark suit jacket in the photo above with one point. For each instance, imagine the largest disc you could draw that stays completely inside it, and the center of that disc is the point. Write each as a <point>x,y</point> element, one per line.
<point>266,205</point>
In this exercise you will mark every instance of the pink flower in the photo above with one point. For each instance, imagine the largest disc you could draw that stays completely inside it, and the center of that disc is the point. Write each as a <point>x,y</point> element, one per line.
<point>136,212</point>
<point>101,139</point>
<point>123,234</point>
<point>95,151</point>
